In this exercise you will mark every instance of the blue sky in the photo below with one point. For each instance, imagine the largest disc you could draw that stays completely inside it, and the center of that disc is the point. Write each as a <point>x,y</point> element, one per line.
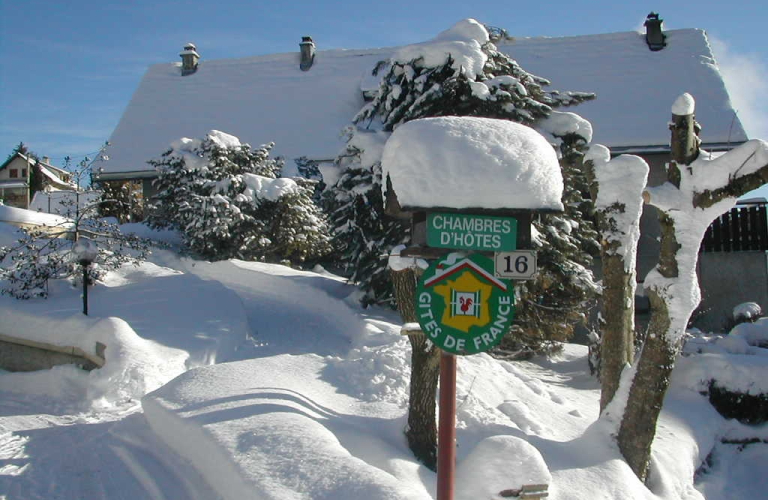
<point>69,68</point>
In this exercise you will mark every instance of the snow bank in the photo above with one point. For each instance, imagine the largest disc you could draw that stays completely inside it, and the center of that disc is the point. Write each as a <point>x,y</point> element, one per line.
<point>132,314</point>
<point>133,366</point>
<point>465,162</point>
<point>254,416</point>
<point>755,333</point>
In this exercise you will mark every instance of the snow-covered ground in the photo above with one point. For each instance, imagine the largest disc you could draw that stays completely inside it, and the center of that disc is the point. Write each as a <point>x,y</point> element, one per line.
<point>238,380</point>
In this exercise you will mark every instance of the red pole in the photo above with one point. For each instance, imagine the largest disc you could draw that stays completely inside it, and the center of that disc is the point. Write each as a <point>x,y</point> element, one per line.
<point>446,432</point>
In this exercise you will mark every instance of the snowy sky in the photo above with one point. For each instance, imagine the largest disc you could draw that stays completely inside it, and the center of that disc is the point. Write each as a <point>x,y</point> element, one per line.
<point>74,66</point>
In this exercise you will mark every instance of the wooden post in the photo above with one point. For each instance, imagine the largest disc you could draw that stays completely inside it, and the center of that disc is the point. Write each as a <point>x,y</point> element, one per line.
<point>446,439</point>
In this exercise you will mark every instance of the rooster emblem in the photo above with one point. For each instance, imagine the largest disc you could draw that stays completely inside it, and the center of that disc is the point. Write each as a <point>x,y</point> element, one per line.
<point>466,303</point>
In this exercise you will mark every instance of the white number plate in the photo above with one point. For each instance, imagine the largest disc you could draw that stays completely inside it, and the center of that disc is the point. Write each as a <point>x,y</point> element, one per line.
<point>518,265</point>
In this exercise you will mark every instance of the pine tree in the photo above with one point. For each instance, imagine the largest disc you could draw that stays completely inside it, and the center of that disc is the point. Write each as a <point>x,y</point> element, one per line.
<point>229,202</point>
<point>412,87</point>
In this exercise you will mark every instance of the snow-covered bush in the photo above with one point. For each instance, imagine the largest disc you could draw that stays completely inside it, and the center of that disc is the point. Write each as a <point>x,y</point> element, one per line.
<point>39,256</point>
<point>228,201</point>
<point>748,312</point>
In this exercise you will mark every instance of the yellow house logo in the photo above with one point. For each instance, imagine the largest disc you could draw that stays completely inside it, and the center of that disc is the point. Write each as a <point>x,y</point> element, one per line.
<point>466,300</point>
<point>462,307</point>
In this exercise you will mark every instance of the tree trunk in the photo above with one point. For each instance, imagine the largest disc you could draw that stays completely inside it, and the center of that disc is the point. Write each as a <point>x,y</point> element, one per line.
<point>618,314</point>
<point>638,426</point>
<point>646,395</point>
<point>425,370</point>
<point>663,342</point>
<point>617,345</point>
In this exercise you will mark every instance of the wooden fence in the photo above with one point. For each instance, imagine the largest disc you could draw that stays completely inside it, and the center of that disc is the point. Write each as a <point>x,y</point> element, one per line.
<point>744,228</point>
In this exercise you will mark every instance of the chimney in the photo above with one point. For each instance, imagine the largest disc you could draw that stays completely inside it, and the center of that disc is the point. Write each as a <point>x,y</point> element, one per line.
<point>654,36</point>
<point>46,160</point>
<point>189,58</point>
<point>307,47</point>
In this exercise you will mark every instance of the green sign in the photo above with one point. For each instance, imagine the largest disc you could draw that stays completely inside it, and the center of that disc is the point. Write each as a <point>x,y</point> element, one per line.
<point>471,232</point>
<point>461,307</point>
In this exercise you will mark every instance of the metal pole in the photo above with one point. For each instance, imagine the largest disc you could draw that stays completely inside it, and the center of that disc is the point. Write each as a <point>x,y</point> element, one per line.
<point>446,433</point>
<point>85,289</point>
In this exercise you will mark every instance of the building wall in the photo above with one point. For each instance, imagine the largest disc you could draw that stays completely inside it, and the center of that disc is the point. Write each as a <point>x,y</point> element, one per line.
<point>18,165</point>
<point>728,279</point>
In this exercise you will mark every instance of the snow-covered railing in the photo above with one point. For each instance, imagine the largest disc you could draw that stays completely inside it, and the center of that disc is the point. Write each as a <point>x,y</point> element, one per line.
<point>742,229</point>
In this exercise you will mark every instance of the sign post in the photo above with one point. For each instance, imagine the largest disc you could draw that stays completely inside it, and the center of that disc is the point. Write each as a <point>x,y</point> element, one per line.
<point>464,305</point>
<point>446,430</point>
<point>463,309</point>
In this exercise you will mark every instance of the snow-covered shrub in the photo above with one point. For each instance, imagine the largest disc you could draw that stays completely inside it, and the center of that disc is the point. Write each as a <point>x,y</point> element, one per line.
<point>228,201</point>
<point>38,257</point>
<point>745,407</point>
<point>748,312</point>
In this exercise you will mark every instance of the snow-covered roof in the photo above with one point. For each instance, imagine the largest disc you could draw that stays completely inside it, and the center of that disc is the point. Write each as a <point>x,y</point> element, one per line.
<point>268,98</point>
<point>22,216</point>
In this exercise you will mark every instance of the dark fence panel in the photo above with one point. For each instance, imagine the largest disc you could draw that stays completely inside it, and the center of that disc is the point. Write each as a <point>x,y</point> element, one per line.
<point>744,228</point>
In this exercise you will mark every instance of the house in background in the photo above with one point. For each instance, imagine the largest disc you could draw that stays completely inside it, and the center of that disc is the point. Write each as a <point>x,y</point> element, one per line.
<point>22,173</point>
<point>302,101</point>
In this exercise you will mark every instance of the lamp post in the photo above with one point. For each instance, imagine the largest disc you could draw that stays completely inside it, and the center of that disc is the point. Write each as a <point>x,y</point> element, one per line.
<point>86,251</point>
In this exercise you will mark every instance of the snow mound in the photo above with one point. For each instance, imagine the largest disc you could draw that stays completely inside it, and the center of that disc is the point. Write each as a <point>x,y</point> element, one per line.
<point>500,463</point>
<point>467,162</point>
<point>755,334</point>
<point>236,420</point>
<point>748,311</point>
<point>133,366</point>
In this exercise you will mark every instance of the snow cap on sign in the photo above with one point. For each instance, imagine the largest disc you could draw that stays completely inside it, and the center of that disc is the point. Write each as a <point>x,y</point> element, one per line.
<point>467,162</point>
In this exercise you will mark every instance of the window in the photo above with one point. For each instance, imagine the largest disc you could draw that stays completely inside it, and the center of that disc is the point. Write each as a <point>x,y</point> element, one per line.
<point>23,172</point>
<point>14,173</point>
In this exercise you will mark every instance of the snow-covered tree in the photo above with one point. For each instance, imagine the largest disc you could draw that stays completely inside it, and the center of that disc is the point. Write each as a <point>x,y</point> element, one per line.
<point>39,256</point>
<point>698,190</point>
<point>459,73</point>
<point>228,201</point>
<point>564,290</point>
<point>616,187</point>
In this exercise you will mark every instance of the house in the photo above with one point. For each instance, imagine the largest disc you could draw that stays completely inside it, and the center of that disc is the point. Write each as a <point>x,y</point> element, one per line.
<point>303,100</point>
<point>22,173</point>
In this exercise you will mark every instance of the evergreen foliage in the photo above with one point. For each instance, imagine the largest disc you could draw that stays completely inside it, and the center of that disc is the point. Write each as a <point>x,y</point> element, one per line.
<point>550,307</point>
<point>413,89</point>
<point>228,201</point>
<point>121,200</point>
